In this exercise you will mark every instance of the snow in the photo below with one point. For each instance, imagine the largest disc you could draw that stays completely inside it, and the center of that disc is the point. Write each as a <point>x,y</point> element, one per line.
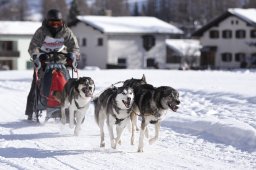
<point>214,128</point>
<point>247,14</point>
<point>185,47</point>
<point>19,27</point>
<point>109,24</point>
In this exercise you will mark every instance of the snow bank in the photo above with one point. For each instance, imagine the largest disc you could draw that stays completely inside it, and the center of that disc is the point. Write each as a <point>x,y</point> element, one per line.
<point>229,132</point>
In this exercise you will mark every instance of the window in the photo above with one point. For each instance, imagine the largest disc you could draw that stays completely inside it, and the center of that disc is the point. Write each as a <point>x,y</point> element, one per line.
<point>6,46</point>
<point>226,57</point>
<point>148,42</point>
<point>253,33</point>
<point>100,41</point>
<point>151,62</point>
<point>121,61</point>
<point>239,57</point>
<point>214,34</point>
<point>240,33</point>
<point>84,42</point>
<point>253,59</point>
<point>227,34</point>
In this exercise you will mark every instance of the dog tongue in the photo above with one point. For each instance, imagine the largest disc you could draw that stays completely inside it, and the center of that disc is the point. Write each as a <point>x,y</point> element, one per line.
<point>173,107</point>
<point>126,104</point>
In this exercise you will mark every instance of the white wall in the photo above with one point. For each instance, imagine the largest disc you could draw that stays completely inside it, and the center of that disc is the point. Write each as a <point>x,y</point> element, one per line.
<point>232,45</point>
<point>19,63</point>
<point>96,55</point>
<point>127,46</point>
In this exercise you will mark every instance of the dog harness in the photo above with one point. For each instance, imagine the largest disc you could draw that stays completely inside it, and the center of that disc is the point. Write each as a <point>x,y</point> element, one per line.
<point>118,121</point>
<point>77,105</point>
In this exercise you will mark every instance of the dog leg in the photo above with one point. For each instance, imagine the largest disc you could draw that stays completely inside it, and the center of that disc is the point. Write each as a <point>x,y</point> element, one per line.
<point>157,128</point>
<point>120,128</point>
<point>71,117</point>
<point>142,133</point>
<point>101,120</point>
<point>79,117</point>
<point>133,127</point>
<point>117,131</point>
<point>63,115</point>
<point>146,132</point>
<point>135,122</point>
<point>111,135</point>
<point>101,126</point>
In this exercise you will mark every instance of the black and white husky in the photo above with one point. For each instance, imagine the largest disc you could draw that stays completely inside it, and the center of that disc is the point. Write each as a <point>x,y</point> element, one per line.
<point>135,83</point>
<point>114,106</point>
<point>152,103</point>
<point>76,97</point>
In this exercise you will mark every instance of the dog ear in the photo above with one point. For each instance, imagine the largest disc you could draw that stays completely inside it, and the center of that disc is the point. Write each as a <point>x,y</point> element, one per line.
<point>143,78</point>
<point>76,84</point>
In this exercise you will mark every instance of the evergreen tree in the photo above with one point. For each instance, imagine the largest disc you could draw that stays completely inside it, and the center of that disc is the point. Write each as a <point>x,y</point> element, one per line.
<point>73,12</point>
<point>136,10</point>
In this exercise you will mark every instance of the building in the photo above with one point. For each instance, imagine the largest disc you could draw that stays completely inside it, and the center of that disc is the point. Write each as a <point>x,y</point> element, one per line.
<point>123,42</point>
<point>183,54</point>
<point>15,37</point>
<point>229,41</point>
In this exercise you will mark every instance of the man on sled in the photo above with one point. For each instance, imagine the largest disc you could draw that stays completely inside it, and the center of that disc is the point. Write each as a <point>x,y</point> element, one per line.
<point>52,34</point>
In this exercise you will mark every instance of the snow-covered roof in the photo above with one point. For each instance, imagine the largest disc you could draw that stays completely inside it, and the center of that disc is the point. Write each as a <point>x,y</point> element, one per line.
<point>110,24</point>
<point>18,27</point>
<point>246,14</point>
<point>184,47</point>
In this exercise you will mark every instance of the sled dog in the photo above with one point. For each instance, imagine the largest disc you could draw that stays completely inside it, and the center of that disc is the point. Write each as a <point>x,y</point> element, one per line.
<point>152,103</point>
<point>113,105</point>
<point>76,97</point>
<point>134,83</point>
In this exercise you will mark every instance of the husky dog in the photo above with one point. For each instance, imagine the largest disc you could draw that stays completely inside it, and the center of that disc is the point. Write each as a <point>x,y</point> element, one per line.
<point>152,103</point>
<point>76,96</point>
<point>113,105</point>
<point>134,83</point>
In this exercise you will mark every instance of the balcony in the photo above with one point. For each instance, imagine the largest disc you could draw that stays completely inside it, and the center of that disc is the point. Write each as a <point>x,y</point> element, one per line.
<point>9,53</point>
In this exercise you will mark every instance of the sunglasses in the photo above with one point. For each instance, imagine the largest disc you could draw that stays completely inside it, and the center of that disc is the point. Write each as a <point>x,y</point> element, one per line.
<point>55,23</point>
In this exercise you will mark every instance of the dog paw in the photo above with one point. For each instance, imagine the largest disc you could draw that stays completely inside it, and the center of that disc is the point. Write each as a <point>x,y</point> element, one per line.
<point>152,140</point>
<point>71,126</point>
<point>132,141</point>
<point>76,133</point>
<point>102,145</point>
<point>113,144</point>
<point>63,121</point>
<point>62,126</point>
<point>140,149</point>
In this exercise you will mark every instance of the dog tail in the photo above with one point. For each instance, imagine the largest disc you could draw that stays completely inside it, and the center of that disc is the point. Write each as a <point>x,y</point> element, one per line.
<point>96,110</point>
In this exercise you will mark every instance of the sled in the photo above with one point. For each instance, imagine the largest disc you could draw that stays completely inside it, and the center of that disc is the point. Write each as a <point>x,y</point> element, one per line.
<point>53,78</point>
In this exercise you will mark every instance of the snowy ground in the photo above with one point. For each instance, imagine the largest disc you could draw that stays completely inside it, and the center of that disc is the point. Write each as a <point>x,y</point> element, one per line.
<point>215,127</point>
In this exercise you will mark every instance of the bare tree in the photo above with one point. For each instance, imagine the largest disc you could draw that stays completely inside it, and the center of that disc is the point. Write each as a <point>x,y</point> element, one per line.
<point>250,4</point>
<point>83,7</point>
<point>117,7</point>
<point>13,10</point>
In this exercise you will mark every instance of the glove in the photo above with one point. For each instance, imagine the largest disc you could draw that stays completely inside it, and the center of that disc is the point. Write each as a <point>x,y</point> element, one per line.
<point>39,60</point>
<point>36,60</point>
<point>71,60</point>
